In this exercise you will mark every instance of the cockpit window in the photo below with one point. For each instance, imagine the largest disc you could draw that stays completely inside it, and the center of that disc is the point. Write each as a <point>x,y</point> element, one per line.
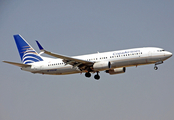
<point>160,50</point>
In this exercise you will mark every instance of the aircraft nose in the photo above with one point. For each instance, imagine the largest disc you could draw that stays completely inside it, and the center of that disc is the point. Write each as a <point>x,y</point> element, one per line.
<point>169,54</point>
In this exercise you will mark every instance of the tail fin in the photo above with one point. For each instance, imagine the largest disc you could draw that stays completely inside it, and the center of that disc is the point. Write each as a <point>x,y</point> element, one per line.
<point>26,52</point>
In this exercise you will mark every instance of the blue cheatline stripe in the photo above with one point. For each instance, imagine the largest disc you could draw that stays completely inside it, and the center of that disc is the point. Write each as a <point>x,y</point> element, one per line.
<point>26,52</point>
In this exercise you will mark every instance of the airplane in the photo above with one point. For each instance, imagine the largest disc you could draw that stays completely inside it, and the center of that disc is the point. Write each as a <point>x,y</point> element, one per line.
<point>113,62</point>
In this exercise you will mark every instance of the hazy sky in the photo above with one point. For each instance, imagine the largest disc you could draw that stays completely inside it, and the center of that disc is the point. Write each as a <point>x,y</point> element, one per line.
<point>82,27</point>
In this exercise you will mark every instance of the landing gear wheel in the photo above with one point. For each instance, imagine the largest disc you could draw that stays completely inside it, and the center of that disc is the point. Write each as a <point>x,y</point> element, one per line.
<point>97,77</point>
<point>156,68</point>
<point>88,74</point>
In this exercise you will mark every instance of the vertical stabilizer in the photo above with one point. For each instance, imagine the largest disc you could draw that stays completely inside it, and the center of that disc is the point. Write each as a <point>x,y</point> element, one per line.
<point>26,52</point>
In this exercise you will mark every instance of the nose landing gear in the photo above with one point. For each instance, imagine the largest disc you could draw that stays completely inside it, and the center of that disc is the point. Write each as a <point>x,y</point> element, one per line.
<point>157,63</point>
<point>156,68</point>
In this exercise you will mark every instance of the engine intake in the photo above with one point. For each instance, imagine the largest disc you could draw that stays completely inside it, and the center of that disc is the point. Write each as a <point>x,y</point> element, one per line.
<point>116,71</point>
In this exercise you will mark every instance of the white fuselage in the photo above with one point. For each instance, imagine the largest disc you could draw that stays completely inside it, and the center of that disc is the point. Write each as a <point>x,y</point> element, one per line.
<point>121,58</point>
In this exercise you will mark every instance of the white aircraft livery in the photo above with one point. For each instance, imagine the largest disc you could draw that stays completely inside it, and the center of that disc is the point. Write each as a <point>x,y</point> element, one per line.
<point>113,62</point>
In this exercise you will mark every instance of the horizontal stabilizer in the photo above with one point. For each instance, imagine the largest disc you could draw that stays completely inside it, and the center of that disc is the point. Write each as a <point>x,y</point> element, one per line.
<point>17,64</point>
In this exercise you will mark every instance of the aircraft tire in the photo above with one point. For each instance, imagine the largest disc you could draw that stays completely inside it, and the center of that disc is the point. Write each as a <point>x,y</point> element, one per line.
<point>156,68</point>
<point>97,77</point>
<point>88,74</point>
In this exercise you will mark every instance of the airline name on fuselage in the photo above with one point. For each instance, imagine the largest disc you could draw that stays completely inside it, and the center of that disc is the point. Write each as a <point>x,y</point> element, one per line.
<point>126,52</point>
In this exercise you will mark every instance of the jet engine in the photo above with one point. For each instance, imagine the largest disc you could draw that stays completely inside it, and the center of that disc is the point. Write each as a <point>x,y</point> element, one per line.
<point>116,71</point>
<point>99,66</point>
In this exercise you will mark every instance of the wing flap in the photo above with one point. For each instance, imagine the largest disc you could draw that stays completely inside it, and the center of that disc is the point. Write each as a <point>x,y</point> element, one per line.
<point>17,64</point>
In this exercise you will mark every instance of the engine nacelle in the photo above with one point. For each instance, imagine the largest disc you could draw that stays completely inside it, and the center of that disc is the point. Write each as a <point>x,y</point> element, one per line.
<point>116,71</point>
<point>99,66</point>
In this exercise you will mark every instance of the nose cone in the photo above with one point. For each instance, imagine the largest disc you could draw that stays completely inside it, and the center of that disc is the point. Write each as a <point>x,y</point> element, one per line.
<point>168,54</point>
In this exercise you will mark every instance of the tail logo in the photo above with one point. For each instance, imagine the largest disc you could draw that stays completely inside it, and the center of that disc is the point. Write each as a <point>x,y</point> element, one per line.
<point>29,55</point>
<point>26,52</point>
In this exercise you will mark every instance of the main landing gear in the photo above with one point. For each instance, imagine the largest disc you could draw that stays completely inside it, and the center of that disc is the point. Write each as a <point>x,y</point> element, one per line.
<point>97,77</point>
<point>88,75</point>
<point>157,63</point>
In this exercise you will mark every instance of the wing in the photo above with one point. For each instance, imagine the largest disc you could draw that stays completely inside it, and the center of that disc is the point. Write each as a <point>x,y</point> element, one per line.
<point>82,64</point>
<point>17,64</point>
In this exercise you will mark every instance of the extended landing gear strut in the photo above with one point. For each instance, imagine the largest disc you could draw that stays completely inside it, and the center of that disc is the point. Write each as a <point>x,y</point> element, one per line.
<point>97,77</point>
<point>157,63</point>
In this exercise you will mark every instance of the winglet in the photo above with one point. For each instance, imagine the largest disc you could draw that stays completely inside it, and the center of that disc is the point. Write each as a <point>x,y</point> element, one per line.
<point>40,47</point>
